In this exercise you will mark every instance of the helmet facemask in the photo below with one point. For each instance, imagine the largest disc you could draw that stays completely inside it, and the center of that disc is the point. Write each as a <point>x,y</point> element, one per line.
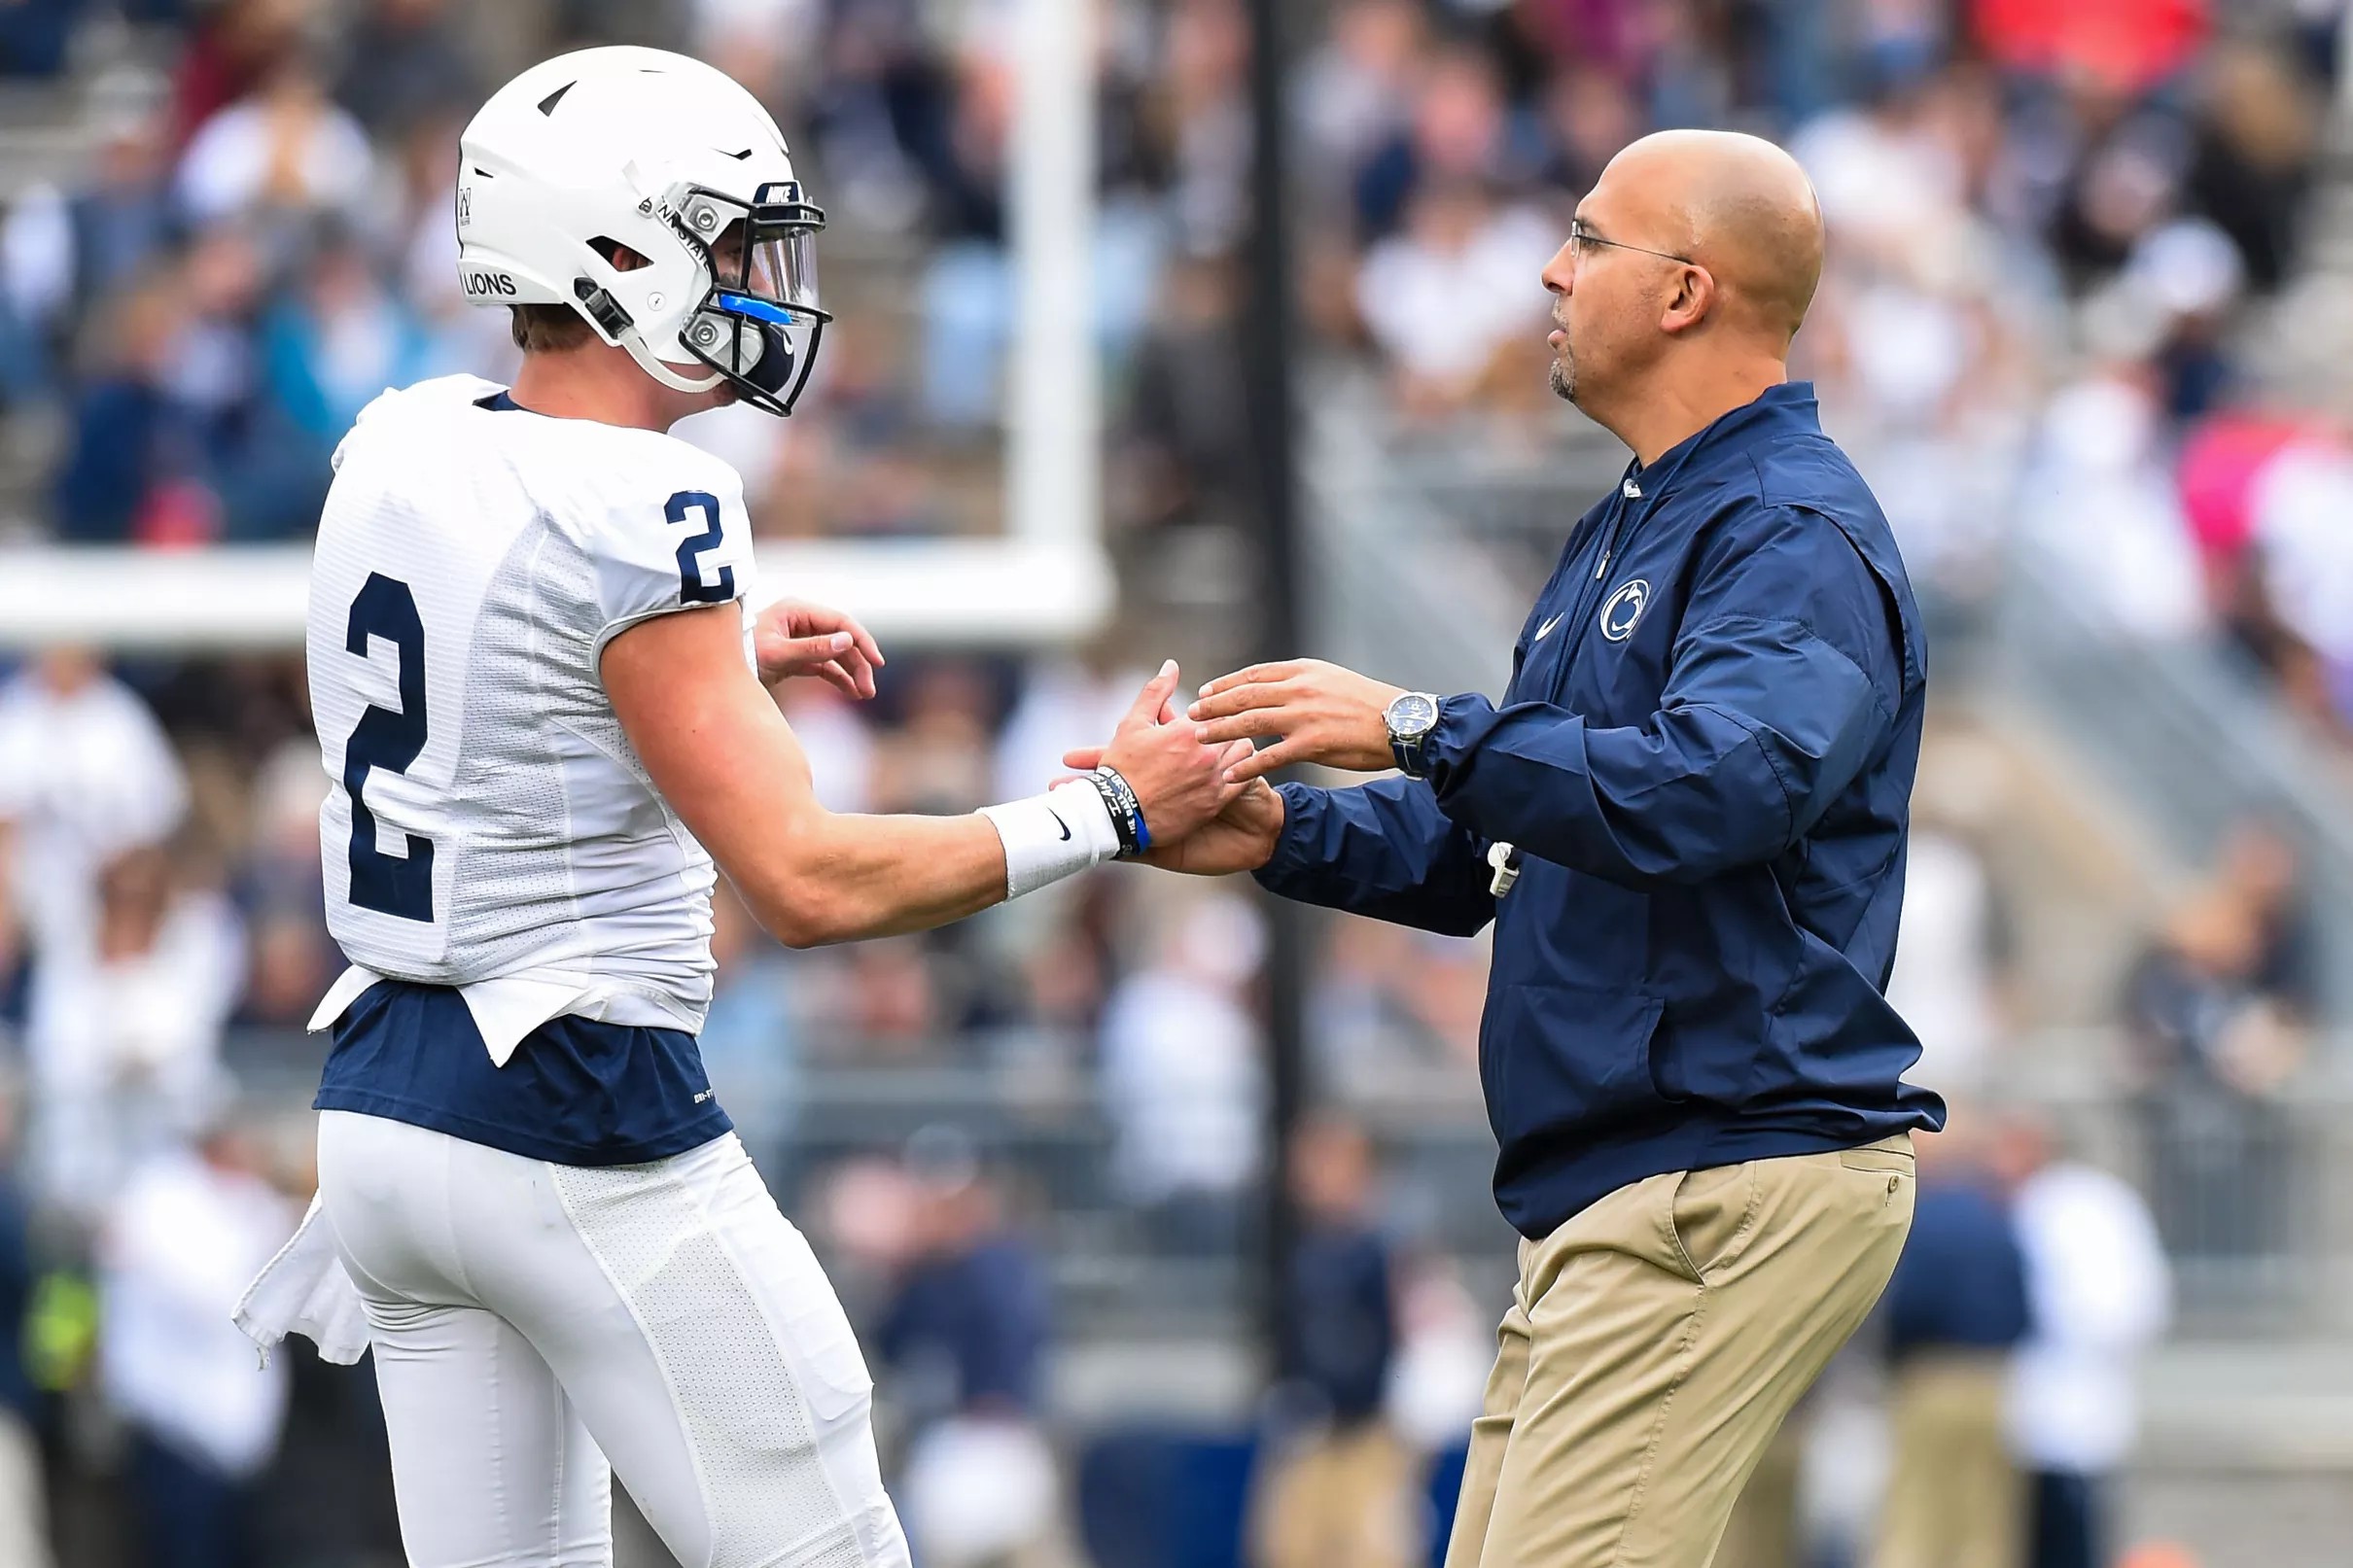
<point>759,323</point>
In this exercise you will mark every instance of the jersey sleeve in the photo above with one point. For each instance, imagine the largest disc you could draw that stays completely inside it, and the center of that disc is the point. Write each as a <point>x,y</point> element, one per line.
<point>655,547</point>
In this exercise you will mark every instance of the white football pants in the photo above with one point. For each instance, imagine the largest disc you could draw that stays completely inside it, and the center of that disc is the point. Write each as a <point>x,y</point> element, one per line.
<point>531,1320</point>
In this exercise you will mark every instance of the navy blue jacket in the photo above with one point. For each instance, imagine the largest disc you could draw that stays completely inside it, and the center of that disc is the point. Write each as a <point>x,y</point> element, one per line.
<point>1705,758</point>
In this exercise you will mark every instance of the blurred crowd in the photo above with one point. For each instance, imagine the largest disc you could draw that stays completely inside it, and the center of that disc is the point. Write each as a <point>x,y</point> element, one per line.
<point>2067,317</point>
<point>2062,324</point>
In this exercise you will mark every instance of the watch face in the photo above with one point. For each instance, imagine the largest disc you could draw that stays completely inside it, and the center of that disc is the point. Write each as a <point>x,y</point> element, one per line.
<point>1412,713</point>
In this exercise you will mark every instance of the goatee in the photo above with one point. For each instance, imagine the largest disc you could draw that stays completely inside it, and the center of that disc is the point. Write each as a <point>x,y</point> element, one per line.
<point>1563,379</point>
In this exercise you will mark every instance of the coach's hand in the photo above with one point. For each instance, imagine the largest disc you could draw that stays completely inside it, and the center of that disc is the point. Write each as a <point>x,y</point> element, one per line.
<point>1322,713</point>
<point>793,637</point>
<point>1178,780</point>
<point>1241,837</point>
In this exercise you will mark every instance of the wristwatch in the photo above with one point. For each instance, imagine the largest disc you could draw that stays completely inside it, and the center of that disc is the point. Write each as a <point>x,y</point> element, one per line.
<point>1411,717</point>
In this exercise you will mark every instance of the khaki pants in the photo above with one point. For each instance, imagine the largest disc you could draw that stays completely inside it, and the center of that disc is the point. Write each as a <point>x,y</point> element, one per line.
<point>1653,1346</point>
<point>1341,1499</point>
<point>1954,1498</point>
<point>1764,1529</point>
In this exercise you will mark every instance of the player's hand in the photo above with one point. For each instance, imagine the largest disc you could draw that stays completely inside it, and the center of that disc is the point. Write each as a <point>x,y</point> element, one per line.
<point>793,637</point>
<point>1241,837</point>
<point>1180,781</point>
<point>1322,713</point>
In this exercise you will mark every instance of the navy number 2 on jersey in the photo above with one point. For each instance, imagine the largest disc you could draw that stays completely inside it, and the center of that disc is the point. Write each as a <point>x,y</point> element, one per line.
<point>690,550</point>
<point>391,740</point>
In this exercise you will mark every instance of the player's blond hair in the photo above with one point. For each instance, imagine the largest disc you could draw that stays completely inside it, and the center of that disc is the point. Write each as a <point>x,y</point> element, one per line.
<point>547,329</point>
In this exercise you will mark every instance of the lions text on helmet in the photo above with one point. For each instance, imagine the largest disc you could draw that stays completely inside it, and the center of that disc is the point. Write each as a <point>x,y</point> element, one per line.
<point>655,196</point>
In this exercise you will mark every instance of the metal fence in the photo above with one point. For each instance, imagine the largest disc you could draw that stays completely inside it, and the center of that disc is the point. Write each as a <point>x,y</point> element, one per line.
<point>2254,1199</point>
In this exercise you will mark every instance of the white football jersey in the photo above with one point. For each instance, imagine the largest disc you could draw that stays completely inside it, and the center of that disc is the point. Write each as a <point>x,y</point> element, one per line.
<point>488,825</point>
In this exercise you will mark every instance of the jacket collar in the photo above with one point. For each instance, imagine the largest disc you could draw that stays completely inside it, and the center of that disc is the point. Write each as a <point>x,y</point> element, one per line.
<point>1787,407</point>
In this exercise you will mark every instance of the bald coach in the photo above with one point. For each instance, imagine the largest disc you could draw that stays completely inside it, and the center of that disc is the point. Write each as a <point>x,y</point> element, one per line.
<point>1687,820</point>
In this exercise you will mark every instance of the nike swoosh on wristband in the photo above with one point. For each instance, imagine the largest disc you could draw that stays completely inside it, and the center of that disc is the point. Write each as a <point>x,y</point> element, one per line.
<point>1059,822</point>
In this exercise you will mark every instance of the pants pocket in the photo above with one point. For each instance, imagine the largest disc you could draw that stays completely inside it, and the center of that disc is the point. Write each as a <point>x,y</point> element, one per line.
<point>1878,1158</point>
<point>1711,1216</point>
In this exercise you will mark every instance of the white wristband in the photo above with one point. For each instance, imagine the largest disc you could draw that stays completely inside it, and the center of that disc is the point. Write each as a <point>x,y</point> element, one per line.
<point>1054,835</point>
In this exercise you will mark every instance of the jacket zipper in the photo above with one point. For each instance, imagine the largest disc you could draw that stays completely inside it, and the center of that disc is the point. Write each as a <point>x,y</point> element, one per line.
<point>1587,595</point>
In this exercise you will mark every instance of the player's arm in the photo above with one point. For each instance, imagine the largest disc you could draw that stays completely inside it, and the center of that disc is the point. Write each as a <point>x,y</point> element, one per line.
<point>728,764</point>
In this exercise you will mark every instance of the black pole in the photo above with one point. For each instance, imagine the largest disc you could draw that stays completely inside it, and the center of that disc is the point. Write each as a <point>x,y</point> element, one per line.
<point>1267,362</point>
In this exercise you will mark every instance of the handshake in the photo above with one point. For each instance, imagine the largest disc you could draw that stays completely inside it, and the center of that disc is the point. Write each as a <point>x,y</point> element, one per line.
<point>1194,764</point>
<point>1198,773</point>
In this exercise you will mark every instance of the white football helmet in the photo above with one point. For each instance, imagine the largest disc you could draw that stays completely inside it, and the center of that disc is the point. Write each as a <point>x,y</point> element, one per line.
<point>672,158</point>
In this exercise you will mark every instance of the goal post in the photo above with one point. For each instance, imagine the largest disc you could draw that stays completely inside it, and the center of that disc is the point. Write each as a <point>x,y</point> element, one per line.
<point>992,593</point>
<point>1045,580</point>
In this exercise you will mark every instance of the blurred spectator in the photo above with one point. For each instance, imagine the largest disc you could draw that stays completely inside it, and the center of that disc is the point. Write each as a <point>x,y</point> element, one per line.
<point>1446,1346</point>
<point>173,442</point>
<point>1357,84</point>
<point>965,1336</point>
<point>1949,968</point>
<point>769,46</point>
<point>1395,1008</point>
<point>1589,115</point>
<point>2124,179</point>
<point>2218,1011</point>
<point>937,758</point>
<point>2257,483</point>
<point>123,1034</point>
<point>232,48</point>
<point>85,774</point>
<point>24,1507</point>
<point>186,1237</point>
<point>2100,499</point>
<point>1335,1486</point>
<point>2258,131</point>
<point>836,739</point>
<point>66,251</point>
<point>1180,1076</point>
<point>2125,45</point>
<point>895,1007</point>
<point>1187,420</point>
<point>2099,1293</point>
<point>33,36</point>
<point>281,894</point>
<point>1458,138</point>
<point>2301,552</point>
<point>2225,996</point>
<point>136,454</point>
<point>1206,54</point>
<point>2183,278</point>
<point>404,63</point>
<point>1457,285</point>
<point>285,150</point>
<point>1954,1312</point>
<point>339,342</point>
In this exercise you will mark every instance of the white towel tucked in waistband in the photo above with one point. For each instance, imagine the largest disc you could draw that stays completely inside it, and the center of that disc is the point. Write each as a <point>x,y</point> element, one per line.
<point>304,1290</point>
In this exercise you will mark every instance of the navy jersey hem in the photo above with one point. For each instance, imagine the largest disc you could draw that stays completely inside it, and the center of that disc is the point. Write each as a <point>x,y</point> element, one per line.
<point>491,1134</point>
<point>576,1091</point>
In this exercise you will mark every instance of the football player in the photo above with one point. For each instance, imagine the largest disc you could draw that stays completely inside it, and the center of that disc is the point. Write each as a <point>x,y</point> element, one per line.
<point>538,683</point>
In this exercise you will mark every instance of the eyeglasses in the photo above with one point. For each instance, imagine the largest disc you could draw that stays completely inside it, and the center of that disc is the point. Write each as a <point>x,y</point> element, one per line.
<point>1582,238</point>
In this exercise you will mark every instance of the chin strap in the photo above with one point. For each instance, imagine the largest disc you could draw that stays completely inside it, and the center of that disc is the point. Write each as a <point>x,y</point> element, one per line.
<point>667,374</point>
